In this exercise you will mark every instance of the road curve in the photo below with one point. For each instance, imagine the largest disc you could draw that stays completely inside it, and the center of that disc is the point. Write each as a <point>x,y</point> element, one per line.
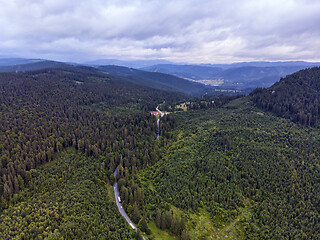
<point>161,113</point>
<point>120,208</point>
<point>116,190</point>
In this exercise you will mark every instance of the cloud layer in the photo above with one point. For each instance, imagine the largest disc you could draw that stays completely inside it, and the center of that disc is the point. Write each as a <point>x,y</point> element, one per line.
<point>198,31</point>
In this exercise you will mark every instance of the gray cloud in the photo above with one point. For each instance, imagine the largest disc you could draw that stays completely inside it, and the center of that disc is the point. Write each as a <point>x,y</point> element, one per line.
<point>182,30</point>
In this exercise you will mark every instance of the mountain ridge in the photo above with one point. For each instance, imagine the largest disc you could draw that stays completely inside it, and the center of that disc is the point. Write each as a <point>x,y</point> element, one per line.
<point>157,80</point>
<point>30,66</point>
<point>295,97</point>
<point>238,76</point>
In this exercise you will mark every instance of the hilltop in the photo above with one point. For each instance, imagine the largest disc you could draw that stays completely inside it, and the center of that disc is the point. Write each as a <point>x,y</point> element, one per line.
<point>296,96</point>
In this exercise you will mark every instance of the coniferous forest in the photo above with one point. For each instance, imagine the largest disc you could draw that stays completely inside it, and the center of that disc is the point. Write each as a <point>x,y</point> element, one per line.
<point>239,172</point>
<point>237,167</point>
<point>43,113</point>
<point>295,97</point>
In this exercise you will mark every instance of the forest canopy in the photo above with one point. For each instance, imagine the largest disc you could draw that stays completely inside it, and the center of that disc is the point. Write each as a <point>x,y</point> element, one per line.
<point>43,113</point>
<point>296,96</point>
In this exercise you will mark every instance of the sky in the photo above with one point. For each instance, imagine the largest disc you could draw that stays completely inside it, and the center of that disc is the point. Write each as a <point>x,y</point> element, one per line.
<point>189,31</point>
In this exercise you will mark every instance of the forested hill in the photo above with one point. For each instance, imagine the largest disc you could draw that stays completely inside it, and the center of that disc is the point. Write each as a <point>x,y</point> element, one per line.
<point>31,66</point>
<point>43,114</point>
<point>296,96</point>
<point>18,61</point>
<point>157,80</point>
<point>239,173</point>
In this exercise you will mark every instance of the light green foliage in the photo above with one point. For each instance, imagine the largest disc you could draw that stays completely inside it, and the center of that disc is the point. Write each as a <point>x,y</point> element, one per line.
<point>256,170</point>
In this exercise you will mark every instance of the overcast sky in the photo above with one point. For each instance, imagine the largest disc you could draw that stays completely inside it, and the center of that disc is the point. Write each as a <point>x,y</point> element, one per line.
<point>195,31</point>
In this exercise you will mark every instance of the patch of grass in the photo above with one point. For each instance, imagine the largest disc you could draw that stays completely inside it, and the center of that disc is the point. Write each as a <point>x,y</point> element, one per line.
<point>158,234</point>
<point>182,106</point>
<point>200,225</point>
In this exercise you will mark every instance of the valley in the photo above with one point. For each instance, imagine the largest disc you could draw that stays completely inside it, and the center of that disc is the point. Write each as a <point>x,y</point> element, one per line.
<point>160,120</point>
<point>75,140</point>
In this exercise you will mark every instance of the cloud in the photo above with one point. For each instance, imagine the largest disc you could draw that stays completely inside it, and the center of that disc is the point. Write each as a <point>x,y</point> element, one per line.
<point>182,30</point>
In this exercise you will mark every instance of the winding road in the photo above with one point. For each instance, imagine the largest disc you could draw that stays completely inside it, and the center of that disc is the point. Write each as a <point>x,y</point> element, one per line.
<point>120,208</point>
<point>116,190</point>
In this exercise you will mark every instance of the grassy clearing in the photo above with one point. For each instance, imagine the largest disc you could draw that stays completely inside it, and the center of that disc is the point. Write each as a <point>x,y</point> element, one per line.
<point>158,234</point>
<point>182,106</point>
<point>201,226</point>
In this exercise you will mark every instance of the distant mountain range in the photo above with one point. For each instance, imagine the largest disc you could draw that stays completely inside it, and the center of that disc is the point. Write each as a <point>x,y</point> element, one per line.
<point>149,79</point>
<point>161,74</point>
<point>131,64</point>
<point>157,80</point>
<point>264,64</point>
<point>239,76</point>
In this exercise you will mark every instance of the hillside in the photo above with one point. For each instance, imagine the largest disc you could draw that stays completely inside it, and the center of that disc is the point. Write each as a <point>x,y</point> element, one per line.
<point>238,172</point>
<point>30,66</point>
<point>67,198</point>
<point>103,121</point>
<point>17,61</point>
<point>125,63</point>
<point>221,167</point>
<point>252,77</point>
<point>296,97</point>
<point>154,80</point>
<point>157,80</point>
<point>194,72</point>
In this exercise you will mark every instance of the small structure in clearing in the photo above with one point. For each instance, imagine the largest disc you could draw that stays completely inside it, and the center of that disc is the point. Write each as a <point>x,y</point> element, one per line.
<point>154,113</point>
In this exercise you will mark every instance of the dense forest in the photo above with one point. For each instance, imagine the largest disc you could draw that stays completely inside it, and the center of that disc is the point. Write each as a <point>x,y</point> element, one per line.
<point>44,112</point>
<point>222,168</point>
<point>67,198</point>
<point>296,97</point>
<point>249,174</point>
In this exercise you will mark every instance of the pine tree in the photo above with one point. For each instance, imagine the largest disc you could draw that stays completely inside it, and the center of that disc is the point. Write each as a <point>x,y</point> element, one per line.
<point>182,226</point>
<point>136,215</point>
<point>158,219</point>
<point>168,219</point>
<point>144,226</point>
<point>163,221</point>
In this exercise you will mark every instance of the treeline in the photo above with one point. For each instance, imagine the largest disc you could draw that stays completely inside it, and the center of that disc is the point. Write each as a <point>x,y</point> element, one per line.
<point>171,222</point>
<point>44,112</point>
<point>207,102</point>
<point>195,103</point>
<point>133,200</point>
<point>295,97</point>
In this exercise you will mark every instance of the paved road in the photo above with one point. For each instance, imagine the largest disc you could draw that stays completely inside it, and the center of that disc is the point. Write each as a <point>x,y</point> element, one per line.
<point>116,191</point>
<point>161,113</point>
<point>158,121</point>
<point>120,208</point>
